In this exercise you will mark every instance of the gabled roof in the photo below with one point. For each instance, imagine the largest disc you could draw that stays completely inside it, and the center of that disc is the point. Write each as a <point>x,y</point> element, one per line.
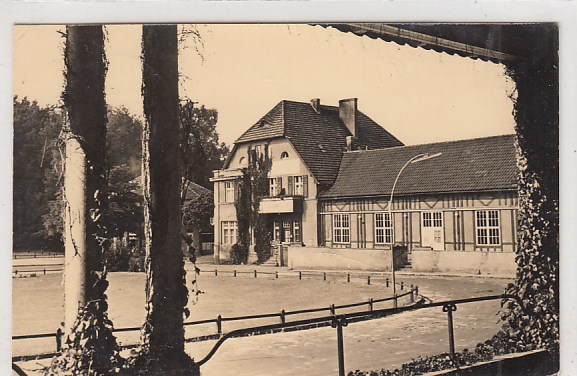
<point>481,164</point>
<point>318,137</point>
<point>196,190</point>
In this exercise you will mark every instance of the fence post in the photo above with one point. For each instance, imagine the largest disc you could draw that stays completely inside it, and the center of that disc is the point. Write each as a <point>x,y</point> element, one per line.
<point>450,308</point>
<point>371,304</point>
<point>339,323</point>
<point>332,308</point>
<point>368,280</point>
<point>219,324</point>
<point>255,273</point>
<point>394,300</point>
<point>276,274</point>
<point>348,277</point>
<point>402,285</point>
<point>417,291</point>
<point>412,297</point>
<point>324,276</point>
<point>44,270</point>
<point>215,273</point>
<point>235,272</point>
<point>282,317</point>
<point>387,282</point>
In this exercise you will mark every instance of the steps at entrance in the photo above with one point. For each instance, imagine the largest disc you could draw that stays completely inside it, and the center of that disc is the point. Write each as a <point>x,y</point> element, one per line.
<point>272,261</point>
<point>408,265</point>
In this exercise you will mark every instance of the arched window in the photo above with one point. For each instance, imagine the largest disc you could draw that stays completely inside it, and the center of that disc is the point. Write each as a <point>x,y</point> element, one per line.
<point>284,155</point>
<point>241,160</point>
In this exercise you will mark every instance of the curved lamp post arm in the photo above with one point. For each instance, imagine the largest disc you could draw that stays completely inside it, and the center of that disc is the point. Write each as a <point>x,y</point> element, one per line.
<point>415,159</point>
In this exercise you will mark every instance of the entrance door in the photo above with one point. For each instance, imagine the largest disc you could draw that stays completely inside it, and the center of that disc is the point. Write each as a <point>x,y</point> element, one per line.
<point>432,231</point>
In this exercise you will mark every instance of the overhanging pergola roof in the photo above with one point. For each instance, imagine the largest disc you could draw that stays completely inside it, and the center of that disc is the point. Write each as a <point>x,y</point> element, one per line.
<point>499,43</point>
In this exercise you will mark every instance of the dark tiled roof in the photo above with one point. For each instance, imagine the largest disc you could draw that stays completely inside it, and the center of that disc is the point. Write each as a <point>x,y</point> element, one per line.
<point>269,126</point>
<point>469,165</point>
<point>319,138</point>
<point>196,190</point>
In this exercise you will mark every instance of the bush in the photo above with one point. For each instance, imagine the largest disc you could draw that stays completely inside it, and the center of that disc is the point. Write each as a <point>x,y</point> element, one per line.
<point>123,258</point>
<point>238,254</point>
<point>136,263</point>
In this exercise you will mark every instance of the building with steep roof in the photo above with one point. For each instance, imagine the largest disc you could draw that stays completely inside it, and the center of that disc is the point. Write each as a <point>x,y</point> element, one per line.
<point>330,187</point>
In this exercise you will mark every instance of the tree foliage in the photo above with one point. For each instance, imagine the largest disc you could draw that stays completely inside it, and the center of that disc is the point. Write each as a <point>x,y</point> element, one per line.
<point>259,168</point>
<point>124,142</point>
<point>251,189</point>
<point>536,110</point>
<point>197,212</point>
<point>125,209</point>
<point>37,214</point>
<point>90,348</point>
<point>243,206</point>
<point>201,150</point>
<point>37,198</point>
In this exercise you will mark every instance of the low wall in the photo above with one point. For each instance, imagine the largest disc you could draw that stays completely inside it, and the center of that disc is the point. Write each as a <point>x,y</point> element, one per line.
<point>221,252</point>
<point>477,262</point>
<point>339,258</point>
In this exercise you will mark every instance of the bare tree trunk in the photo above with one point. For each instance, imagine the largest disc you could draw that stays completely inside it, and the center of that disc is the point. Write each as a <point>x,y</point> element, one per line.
<point>85,182</point>
<point>166,294</point>
<point>75,266</point>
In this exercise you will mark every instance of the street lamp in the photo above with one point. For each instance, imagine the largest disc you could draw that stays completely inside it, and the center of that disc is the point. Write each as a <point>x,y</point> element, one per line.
<point>415,159</point>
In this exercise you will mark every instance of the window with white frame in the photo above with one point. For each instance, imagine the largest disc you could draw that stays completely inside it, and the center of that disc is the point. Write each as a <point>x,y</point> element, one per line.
<point>299,186</point>
<point>258,150</point>
<point>228,191</point>
<point>488,227</point>
<point>297,232</point>
<point>432,219</point>
<point>341,228</point>
<point>383,228</point>
<point>229,232</point>
<point>274,186</point>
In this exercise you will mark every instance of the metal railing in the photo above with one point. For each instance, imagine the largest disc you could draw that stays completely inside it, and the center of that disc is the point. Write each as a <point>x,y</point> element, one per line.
<point>24,270</point>
<point>36,254</point>
<point>340,321</point>
<point>337,321</point>
<point>282,315</point>
<point>254,273</point>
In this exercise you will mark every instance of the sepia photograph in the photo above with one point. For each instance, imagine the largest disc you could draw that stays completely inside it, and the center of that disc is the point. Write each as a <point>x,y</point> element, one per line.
<point>235,199</point>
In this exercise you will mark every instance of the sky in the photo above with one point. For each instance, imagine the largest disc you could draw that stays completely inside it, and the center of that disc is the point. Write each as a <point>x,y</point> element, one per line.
<point>243,71</point>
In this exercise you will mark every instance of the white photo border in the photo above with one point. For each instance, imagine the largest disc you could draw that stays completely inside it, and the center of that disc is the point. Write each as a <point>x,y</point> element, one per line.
<point>74,12</point>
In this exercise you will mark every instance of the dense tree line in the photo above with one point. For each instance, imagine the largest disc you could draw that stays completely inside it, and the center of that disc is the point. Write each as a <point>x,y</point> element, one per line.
<point>37,198</point>
<point>37,175</point>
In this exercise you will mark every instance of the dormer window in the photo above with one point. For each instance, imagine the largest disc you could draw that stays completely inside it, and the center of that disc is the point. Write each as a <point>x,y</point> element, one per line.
<point>284,155</point>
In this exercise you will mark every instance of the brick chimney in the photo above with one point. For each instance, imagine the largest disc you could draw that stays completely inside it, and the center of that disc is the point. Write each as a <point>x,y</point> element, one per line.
<point>348,114</point>
<point>316,103</point>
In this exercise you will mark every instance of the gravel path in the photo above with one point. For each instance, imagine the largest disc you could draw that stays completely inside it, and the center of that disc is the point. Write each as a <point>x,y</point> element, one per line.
<point>382,343</point>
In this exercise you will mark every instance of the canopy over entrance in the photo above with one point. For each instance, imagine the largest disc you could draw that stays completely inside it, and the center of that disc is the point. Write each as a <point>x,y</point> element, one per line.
<point>498,43</point>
